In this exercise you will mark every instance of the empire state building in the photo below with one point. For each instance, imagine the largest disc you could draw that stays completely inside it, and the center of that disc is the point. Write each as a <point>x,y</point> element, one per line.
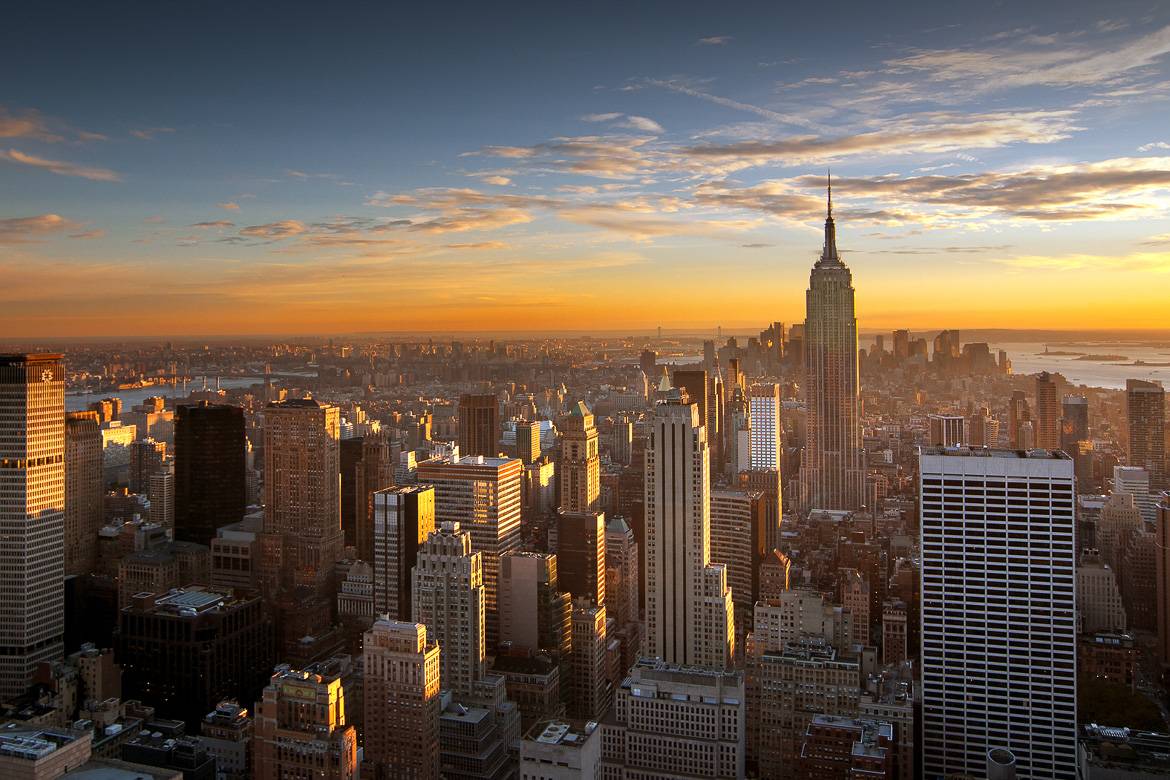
<point>832,472</point>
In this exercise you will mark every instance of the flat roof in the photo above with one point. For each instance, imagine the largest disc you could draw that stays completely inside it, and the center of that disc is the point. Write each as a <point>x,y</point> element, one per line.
<point>995,452</point>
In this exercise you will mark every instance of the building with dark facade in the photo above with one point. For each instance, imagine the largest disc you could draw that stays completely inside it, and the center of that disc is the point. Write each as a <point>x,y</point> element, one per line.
<point>210,465</point>
<point>479,425</point>
<point>185,651</point>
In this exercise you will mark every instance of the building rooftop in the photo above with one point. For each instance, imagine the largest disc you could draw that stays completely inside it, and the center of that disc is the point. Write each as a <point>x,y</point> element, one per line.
<point>33,744</point>
<point>557,732</point>
<point>1126,749</point>
<point>993,452</point>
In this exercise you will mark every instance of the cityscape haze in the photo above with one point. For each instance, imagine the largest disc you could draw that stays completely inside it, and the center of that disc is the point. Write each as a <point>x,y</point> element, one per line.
<point>615,392</point>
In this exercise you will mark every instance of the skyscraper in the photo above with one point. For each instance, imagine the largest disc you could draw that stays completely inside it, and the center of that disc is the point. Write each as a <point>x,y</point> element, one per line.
<point>1162,567</point>
<point>449,600</point>
<point>483,496</point>
<point>1145,411</point>
<point>947,430</point>
<point>401,699</point>
<point>301,729</point>
<point>32,515</point>
<point>998,611</point>
<point>528,441</point>
<point>766,431</point>
<point>579,466</point>
<point>581,554</point>
<point>302,492</point>
<point>832,471</point>
<point>403,519</point>
<point>210,469</point>
<point>83,491</point>
<point>739,541</point>
<point>1047,412</point>
<point>1019,422</point>
<point>689,617</point>
<point>535,614</point>
<point>479,425</point>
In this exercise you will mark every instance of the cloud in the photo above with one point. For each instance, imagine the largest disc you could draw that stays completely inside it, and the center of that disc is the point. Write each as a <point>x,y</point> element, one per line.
<point>715,40</point>
<point>1047,62</point>
<point>150,133</point>
<point>478,245</point>
<point>681,88</point>
<point>59,167</point>
<point>1152,146</point>
<point>499,181</point>
<point>22,230</point>
<point>229,206</point>
<point>89,234</point>
<point>1120,188</point>
<point>641,123</point>
<point>922,133</point>
<point>34,125</point>
<point>215,223</point>
<point>757,246</point>
<point>285,228</point>
<point>1139,262</point>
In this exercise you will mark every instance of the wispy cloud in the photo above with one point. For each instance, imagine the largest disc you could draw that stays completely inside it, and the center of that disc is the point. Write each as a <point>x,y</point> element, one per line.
<point>34,125</point>
<point>59,167</point>
<point>21,230</point>
<point>285,228</point>
<point>215,223</point>
<point>150,133</point>
<point>715,40</point>
<point>633,122</point>
<point>229,205</point>
<point>1156,145</point>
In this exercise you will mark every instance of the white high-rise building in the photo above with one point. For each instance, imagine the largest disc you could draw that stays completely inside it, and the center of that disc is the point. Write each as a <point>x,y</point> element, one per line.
<point>32,516</point>
<point>1135,481</point>
<point>448,597</point>
<point>764,426</point>
<point>688,602</point>
<point>832,468</point>
<point>998,611</point>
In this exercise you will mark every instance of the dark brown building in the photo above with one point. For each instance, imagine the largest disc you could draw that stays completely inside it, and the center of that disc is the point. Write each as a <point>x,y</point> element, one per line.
<point>185,651</point>
<point>581,555</point>
<point>210,465</point>
<point>479,425</point>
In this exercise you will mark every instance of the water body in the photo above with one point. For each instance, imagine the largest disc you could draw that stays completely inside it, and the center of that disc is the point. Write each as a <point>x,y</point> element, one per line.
<point>77,401</point>
<point>1028,358</point>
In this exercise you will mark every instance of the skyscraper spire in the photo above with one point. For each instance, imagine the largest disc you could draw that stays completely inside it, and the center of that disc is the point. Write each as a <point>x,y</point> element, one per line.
<point>829,179</point>
<point>829,255</point>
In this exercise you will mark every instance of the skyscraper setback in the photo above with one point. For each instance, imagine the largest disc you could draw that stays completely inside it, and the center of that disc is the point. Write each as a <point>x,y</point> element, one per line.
<point>32,515</point>
<point>689,617</point>
<point>832,469</point>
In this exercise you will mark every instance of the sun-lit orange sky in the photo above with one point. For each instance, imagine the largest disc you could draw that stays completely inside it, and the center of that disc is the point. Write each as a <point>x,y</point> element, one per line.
<point>429,171</point>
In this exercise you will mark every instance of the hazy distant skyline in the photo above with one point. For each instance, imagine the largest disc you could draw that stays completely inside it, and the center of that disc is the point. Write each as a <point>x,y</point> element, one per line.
<point>220,169</point>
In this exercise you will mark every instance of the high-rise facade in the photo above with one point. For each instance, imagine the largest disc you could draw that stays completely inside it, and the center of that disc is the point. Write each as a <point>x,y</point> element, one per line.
<point>528,441</point>
<point>739,541</point>
<point>947,430</point>
<point>581,554</point>
<point>832,469</point>
<point>483,496</point>
<point>765,429</point>
<point>403,519</point>
<point>479,425</point>
<point>689,618</point>
<point>1162,569</point>
<point>32,515</point>
<point>367,466</point>
<point>83,491</point>
<point>401,699</point>
<point>301,729</point>
<point>591,689</point>
<point>449,600</point>
<point>1145,411</point>
<point>535,614</point>
<point>998,616</point>
<point>302,491</point>
<point>579,468</point>
<point>210,469</point>
<point>1047,412</point>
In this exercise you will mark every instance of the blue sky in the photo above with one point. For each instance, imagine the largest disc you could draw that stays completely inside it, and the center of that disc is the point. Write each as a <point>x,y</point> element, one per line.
<point>287,167</point>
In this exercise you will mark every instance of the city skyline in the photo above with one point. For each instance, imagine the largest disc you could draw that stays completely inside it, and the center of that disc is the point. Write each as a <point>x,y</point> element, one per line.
<point>986,172</point>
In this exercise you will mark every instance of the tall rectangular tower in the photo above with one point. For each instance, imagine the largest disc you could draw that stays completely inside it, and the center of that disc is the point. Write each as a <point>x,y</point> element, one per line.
<point>998,611</point>
<point>765,427</point>
<point>1145,410</point>
<point>688,602</point>
<point>210,469</point>
<point>83,491</point>
<point>401,700</point>
<point>580,466</point>
<point>32,515</point>
<point>302,491</point>
<point>479,425</point>
<point>1047,412</point>
<point>483,496</point>
<point>403,519</point>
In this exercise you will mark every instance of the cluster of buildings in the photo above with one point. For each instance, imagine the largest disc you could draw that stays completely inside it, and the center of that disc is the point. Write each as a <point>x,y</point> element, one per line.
<point>426,561</point>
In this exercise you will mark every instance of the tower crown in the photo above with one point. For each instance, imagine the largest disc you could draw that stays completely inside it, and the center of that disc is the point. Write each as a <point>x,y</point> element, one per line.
<point>829,255</point>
